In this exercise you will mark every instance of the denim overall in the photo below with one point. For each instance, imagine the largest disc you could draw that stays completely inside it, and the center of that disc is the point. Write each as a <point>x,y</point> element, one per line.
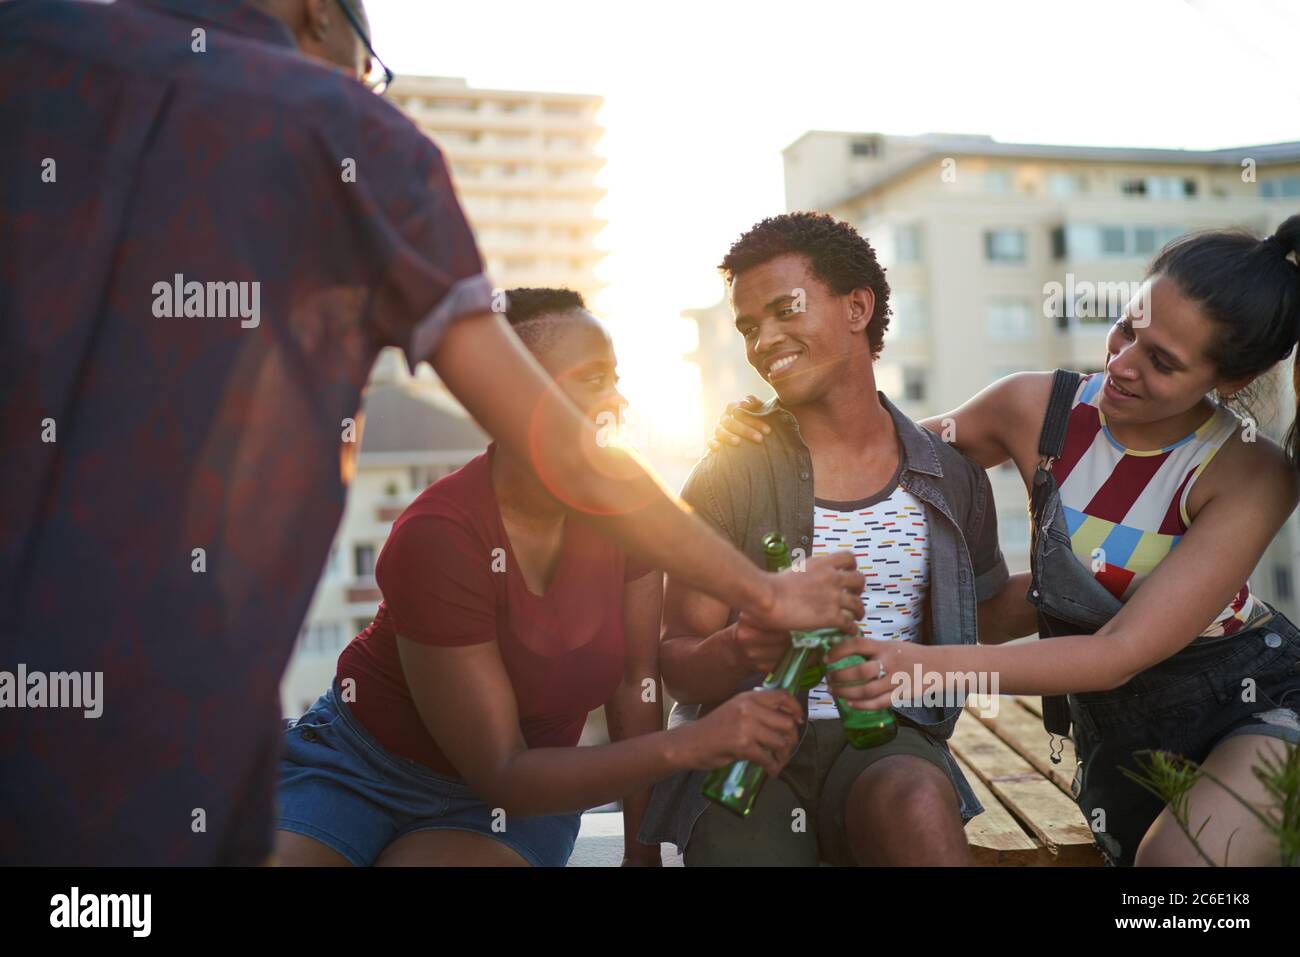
<point>1186,704</point>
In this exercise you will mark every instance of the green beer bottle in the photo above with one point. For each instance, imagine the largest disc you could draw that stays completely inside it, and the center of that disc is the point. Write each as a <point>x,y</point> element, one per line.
<point>863,729</point>
<point>736,786</point>
<point>777,556</point>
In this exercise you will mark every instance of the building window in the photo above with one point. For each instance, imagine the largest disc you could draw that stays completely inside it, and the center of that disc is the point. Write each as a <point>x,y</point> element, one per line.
<point>363,561</point>
<point>909,317</point>
<point>1009,319</point>
<point>1279,187</point>
<point>1058,243</point>
<point>907,244</point>
<point>1090,241</point>
<point>1282,582</point>
<point>997,181</point>
<point>1004,245</point>
<point>1066,184</point>
<point>914,385</point>
<point>1158,187</point>
<point>863,148</point>
<point>322,637</point>
<point>1114,242</point>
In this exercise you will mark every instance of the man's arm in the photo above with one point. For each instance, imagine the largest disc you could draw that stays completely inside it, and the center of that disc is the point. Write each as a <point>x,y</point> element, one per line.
<point>702,657</point>
<point>484,365</point>
<point>430,296</point>
<point>1007,614</point>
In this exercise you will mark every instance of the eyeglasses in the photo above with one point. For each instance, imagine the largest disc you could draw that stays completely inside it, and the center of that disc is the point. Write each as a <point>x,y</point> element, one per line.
<point>376,76</point>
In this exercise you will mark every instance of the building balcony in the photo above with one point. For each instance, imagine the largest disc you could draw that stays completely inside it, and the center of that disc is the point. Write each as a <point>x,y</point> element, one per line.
<point>363,591</point>
<point>431,120</point>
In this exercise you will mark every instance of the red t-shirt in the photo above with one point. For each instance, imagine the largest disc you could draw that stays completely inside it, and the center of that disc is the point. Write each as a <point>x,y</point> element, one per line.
<point>449,577</point>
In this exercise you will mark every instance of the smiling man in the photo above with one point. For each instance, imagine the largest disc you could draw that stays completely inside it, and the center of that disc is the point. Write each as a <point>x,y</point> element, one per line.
<point>840,468</point>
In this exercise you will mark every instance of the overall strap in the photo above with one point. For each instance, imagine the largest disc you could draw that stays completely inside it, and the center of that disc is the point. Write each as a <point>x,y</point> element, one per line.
<point>1052,439</point>
<point>1051,442</point>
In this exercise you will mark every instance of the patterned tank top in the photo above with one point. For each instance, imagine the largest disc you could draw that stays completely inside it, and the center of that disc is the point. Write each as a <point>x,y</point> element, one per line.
<point>1126,508</point>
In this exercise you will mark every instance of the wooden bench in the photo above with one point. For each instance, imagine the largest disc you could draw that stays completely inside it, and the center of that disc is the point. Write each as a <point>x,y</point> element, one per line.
<point>1029,817</point>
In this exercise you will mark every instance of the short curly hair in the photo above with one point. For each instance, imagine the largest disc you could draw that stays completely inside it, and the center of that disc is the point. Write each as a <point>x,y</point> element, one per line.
<point>524,303</point>
<point>839,256</point>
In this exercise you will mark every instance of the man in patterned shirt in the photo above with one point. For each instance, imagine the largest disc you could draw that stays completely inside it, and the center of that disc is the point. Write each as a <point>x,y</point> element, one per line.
<point>839,467</point>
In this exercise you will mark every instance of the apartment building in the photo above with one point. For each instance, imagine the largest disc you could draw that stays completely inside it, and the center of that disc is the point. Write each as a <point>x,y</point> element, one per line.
<point>1005,257</point>
<point>525,165</point>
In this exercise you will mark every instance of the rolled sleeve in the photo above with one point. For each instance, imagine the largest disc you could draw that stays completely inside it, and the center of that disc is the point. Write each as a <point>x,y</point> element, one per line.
<point>467,297</point>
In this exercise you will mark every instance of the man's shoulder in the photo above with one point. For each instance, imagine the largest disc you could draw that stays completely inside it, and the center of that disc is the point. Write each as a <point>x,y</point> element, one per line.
<point>952,462</point>
<point>953,459</point>
<point>730,464</point>
<point>961,479</point>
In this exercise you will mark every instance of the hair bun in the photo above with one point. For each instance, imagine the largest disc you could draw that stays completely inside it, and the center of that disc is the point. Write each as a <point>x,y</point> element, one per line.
<point>1287,237</point>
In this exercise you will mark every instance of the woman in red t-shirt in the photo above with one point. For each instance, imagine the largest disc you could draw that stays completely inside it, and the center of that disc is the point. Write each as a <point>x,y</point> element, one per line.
<point>449,735</point>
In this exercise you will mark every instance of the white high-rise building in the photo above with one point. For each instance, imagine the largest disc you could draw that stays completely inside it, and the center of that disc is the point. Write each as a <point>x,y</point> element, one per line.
<point>524,164</point>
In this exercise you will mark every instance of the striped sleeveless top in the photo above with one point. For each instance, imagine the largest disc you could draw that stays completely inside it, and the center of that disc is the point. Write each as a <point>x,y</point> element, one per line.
<point>1126,508</point>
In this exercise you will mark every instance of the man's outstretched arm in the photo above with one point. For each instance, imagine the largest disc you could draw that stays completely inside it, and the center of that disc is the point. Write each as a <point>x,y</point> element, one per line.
<point>484,365</point>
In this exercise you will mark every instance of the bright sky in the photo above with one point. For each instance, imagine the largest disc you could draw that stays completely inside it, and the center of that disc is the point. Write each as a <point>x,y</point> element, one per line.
<point>701,97</point>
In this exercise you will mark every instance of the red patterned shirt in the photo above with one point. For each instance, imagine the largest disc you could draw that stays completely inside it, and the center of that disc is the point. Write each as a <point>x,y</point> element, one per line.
<point>203,252</point>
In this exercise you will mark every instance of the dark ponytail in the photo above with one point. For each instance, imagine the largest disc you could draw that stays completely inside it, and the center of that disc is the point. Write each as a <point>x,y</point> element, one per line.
<point>1251,289</point>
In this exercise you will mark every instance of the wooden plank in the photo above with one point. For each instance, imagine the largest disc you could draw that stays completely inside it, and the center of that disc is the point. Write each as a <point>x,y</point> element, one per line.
<point>1033,703</point>
<point>1024,732</point>
<point>1037,803</point>
<point>996,838</point>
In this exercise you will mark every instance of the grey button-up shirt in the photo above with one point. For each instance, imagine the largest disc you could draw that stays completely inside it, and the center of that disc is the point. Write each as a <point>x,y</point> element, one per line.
<point>749,490</point>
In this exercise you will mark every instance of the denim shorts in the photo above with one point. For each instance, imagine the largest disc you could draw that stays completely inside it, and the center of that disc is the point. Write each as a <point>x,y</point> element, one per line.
<point>1212,690</point>
<point>339,786</point>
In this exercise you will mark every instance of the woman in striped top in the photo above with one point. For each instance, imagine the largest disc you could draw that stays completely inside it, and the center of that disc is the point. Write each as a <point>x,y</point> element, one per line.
<point>1125,508</point>
<point>1149,516</point>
